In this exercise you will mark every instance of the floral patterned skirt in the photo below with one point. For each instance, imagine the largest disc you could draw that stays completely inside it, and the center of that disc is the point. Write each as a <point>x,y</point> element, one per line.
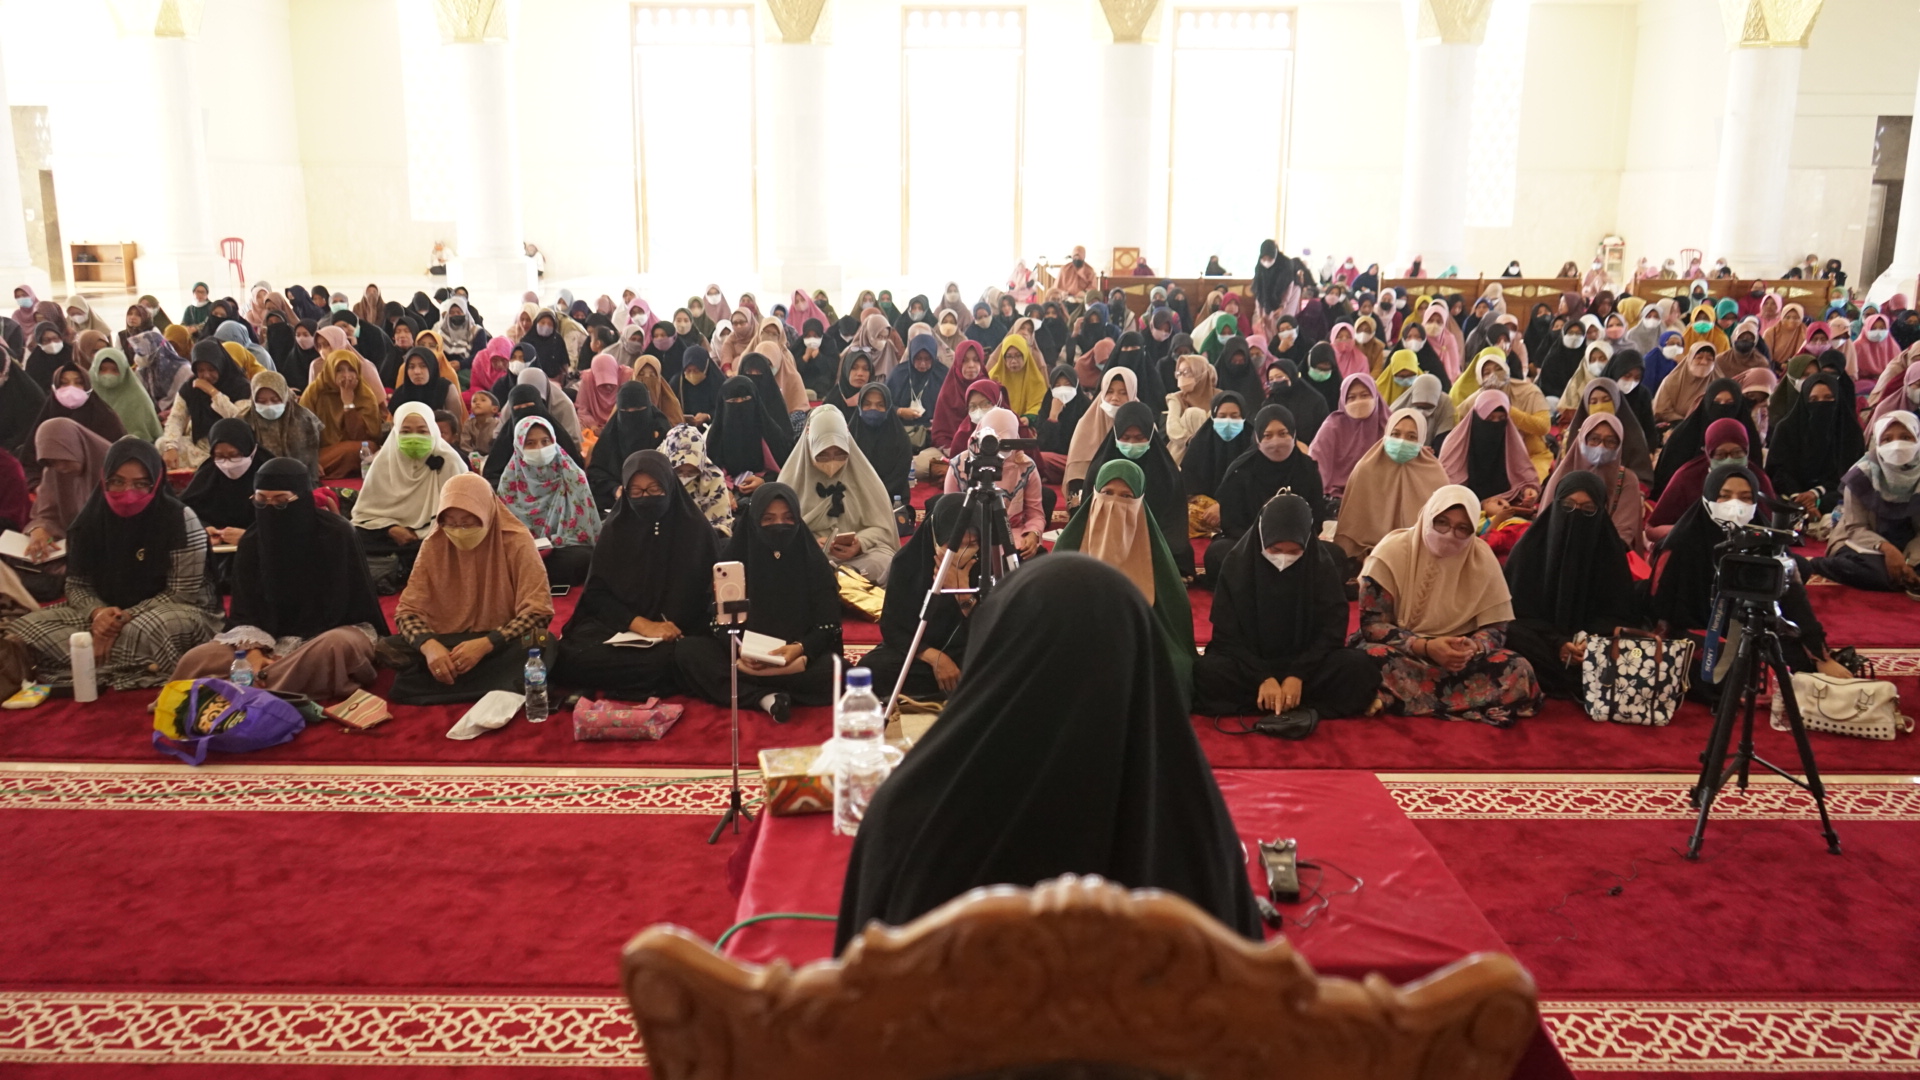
<point>1496,689</point>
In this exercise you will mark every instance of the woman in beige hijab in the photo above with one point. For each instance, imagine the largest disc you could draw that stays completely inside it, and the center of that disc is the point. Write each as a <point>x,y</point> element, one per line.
<point>1434,609</point>
<point>1389,486</point>
<point>1117,387</point>
<point>1189,407</point>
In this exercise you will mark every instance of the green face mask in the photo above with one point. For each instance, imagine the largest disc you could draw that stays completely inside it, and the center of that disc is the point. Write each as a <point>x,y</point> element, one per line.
<point>1319,374</point>
<point>1737,459</point>
<point>1133,451</point>
<point>416,447</point>
<point>109,379</point>
<point>1402,450</point>
<point>1702,327</point>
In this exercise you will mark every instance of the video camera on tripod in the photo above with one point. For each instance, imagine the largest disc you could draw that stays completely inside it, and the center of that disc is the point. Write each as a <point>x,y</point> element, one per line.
<point>1753,561</point>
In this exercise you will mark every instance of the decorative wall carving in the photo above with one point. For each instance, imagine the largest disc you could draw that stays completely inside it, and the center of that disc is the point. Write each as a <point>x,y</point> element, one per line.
<point>1768,24</point>
<point>1128,18</point>
<point>469,22</point>
<point>796,18</point>
<point>1452,22</point>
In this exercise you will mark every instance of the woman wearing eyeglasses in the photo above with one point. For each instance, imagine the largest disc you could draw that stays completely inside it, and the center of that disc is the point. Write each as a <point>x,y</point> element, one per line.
<point>136,578</point>
<point>1434,610</point>
<point>1568,576</point>
<point>303,602</point>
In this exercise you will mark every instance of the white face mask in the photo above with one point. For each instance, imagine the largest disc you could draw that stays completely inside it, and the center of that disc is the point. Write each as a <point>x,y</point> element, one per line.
<point>1898,453</point>
<point>1363,336</point>
<point>812,342</point>
<point>271,412</point>
<point>1671,352</point>
<point>1627,386</point>
<point>53,348</point>
<point>1572,341</point>
<point>1109,408</point>
<point>713,298</point>
<point>303,342</point>
<point>1732,512</point>
<point>1494,378</point>
<point>1874,335</point>
<point>1063,394</point>
<point>976,415</point>
<point>516,366</point>
<point>79,318</point>
<point>1280,562</point>
<point>1595,367</point>
<point>233,468</point>
<point>541,456</point>
<point>1287,336</point>
<point>1651,318</point>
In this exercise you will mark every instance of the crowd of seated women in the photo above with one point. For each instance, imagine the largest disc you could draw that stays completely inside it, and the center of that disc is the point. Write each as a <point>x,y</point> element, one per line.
<point>1490,487</point>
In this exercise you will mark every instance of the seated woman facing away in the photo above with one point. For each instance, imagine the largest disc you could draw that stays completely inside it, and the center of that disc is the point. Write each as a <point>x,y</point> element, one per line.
<point>1433,614</point>
<point>1568,575</point>
<point>1069,695</point>
<point>794,598</point>
<point>652,575</point>
<point>136,578</point>
<point>843,503</point>
<point>303,604</point>
<point>477,601</point>
<point>403,488</point>
<point>1116,527</point>
<point>1877,543</point>
<point>936,670</point>
<point>549,494</point>
<point>1280,625</point>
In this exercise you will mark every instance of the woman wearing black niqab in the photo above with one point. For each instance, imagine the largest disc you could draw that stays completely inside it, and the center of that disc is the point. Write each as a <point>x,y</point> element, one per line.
<point>1310,402</point>
<point>1284,624</point>
<point>1166,494</point>
<point>652,575</point>
<point>1235,370</point>
<point>1568,575</point>
<point>635,426</point>
<point>746,437</point>
<point>1687,439</point>
<point>1272,277</point>
<point>421,310</point>
<point>1130,353</point>
<point>1813,447</point>
<point>549,350</point>
<point>1073,750</point>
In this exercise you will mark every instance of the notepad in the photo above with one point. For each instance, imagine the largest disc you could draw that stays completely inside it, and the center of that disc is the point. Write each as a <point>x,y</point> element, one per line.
<point>14,546</point>
<point>762,649</point>
<point>633,640</point>
<point>542,544</point>
<point>224,549</point>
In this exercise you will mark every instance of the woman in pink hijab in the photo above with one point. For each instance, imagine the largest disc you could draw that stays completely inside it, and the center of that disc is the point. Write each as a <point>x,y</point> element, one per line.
<point>1445,338</point>
<point>1487,452</point>
<point>22,314</point>
<point>489,364</point>
<point>599,390</point>
<point>1869,354</point>
<point>1347,434</point>
<point>803,308</point>
<point>1347,353</point>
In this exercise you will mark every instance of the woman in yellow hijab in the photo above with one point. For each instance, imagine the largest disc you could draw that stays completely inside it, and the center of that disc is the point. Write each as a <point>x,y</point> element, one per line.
<point>1398,376</point>
<point>1015,369</point>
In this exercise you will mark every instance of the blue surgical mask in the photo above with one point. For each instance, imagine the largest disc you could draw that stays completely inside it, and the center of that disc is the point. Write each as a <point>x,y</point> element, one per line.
<point>1319,374</point>
<point>873,417</point>
<point>1402,450</point>
<point>1228,428</point>
<point>1132,451</point>
<point>23,302</point>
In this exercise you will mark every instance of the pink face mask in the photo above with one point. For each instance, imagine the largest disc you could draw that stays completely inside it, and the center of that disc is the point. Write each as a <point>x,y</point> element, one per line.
<point>128,503</point>
<point>70,396</point>
<point>1445,545</point>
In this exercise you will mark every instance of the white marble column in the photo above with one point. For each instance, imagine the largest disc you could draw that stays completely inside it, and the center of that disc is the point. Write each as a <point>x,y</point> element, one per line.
<point>1756,131</point>
<point>794,181</point>
<point>489,255</point>
<point>1903,276</point>
<point>1443,45</point>
<point>16,264</point>
<point>1126,110</point>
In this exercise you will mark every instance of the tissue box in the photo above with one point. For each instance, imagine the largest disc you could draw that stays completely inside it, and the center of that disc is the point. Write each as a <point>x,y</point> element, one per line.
<point>597,721</point>
<point>790,787</point>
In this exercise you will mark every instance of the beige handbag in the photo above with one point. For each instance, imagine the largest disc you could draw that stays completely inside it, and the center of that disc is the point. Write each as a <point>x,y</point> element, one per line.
<point>1862,708</point>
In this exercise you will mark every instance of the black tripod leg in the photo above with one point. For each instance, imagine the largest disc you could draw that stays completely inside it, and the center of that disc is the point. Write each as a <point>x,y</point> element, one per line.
<point>1778,661</point>
<point>1711,762</point>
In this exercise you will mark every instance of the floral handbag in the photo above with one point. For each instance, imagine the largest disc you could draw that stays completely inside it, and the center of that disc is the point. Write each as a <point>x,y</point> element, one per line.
<point>1635,677</point>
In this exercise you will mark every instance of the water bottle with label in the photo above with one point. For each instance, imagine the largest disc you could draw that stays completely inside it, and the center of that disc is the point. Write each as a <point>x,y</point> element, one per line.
<point>241,673</point>
<point>535,684</point>
<point>865,761</point>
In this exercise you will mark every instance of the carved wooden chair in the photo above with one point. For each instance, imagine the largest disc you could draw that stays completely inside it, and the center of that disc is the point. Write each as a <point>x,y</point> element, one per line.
<point>1077,978</point>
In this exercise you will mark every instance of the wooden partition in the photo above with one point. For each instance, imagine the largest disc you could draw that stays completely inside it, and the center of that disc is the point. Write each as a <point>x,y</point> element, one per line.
<point>1520,293</point>
<point>1811,295</point>
<point>1138,288</point>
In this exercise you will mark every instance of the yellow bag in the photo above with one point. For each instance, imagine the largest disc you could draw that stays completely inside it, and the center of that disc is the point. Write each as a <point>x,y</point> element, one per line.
<point>861,596</point>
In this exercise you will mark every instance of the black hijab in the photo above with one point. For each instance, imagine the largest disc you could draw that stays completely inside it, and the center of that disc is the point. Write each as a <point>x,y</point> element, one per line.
<point>299,571</point>
<point>422,311</point>
<point>1639,399</point>
<point>1253,479</point>
<point>127,559</point>
<point>1111,783</point>
<point>653,559</point>
<point>744,433</point>
<point>279,341</point>
<point>794,590</point>
<point>432,393</point>
<point>1281,619</point>
<point>1680,592</point>
<point>549,351</point>
<point>1569,569</point>
<point>703,396</point>
<point>1209,455</point>
<point>1235,370</point>
<point>217,501</point>
<point>1270,283</point>
<point>227,380</point>
<point>1558,363</point>
<point>883,439</point>
<point>1687,439</point>
<point>1307,400</point>
<point>523,402</point>
<point>1130,353</point>
<point>1815,444</point>
<point>396,357</point>
<point>1166,494</point>
<point>1323,358</point>
<point>912,575</point>
<point>20,404</point>
<point>635,425</point>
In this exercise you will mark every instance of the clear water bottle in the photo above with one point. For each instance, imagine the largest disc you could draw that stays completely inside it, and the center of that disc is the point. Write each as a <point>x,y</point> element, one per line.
<point>911,471</point>
<point>864,760</point>
<point>366,459</point>
<point>535,680</point>
<point>241,673</point>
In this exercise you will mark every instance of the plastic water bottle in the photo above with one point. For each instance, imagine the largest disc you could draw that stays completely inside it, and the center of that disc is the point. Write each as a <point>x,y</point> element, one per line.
<point>863,762</point>
<point>80,649</point>
<point>241,673</point>
<point>535,679</point>
<point>911,472</point>
<point>366,458</point>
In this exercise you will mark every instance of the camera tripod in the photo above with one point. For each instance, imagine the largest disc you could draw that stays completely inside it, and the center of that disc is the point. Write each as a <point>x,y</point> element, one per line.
<point>735,613</point>
<point>1759,652</point>
<point>985,512</point>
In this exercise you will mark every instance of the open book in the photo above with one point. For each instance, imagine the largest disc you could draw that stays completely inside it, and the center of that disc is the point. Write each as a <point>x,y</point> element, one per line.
<point>762,648</point>
<point>13,545</point>
<point>633,640</point>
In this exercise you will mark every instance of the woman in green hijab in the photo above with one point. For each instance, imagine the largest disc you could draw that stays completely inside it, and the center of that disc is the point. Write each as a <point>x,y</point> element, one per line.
<point>113,383</point>
<point>1115,527</point>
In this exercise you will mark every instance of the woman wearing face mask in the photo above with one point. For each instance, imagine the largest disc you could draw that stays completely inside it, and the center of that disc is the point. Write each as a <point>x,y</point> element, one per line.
<point>1399,375</point>
<point>878,433</point>
<point>73,399</point>
<point>597,394</point>
<point>1434,608</point>
<point>1188,407</point>
<point>1280,625</point>
<point>1487,454</point>
<point>634,425</point>
<point>1116,526</point>
<point>1028,504</point>
<point>113,384</point>
<point>221,491</point>
<point>527,400</point>
<point>48,350</point>
<point>476,602</point>
<point>218,390</point>
<point>1703,325</point>
<point>1211,451</point>
<point>1275,464</point>
<point>697,386</point>
<point>71,457</point>
<point>1388,486</point>
<point>1745,354</point>
<point>303,606</point>
<point>1016,368</point>
<point>686,450</point>
<point>880,342</point>
<point>983,395</point>
<point>549,494</point>
<point>1811,449</point>
<point>820,359</point>
<point>136,565</point>
<point>842,502</point>
<point>1876,544</point>
<point>1233,366</point>
<point>1727,443</point>
<point>652,575</point>
<point>667,346</point>
<point>1117,388</point>
<point>1134,437</point>
<point>1788,334</point>
<point>1350,433</point>
<point>750,438</point>
<point>1597,355</point>
<point>936,670</point>
<point>985,330</point>
<point>1643,335</point>
<point>1561,362</point>
<point>162,371</point>
<point>1366,338</point>
<point>1568,576</point>
<point>1426,396</point>
<point>1723,398</point>
<point>403,487</point>
<point>1595,447</point>
<point>1680,392</point>
<point>1311,391</point>
<point>282,426</point>
<point>1870,354</point>
<point>1680,593</point>
<point>1066,404</point>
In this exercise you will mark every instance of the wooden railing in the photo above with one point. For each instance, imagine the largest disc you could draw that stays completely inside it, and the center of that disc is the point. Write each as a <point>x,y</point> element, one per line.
<point>1811,295</point>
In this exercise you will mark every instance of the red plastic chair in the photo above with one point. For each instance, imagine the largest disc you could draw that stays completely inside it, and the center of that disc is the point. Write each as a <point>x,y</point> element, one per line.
<point>234,250</point>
